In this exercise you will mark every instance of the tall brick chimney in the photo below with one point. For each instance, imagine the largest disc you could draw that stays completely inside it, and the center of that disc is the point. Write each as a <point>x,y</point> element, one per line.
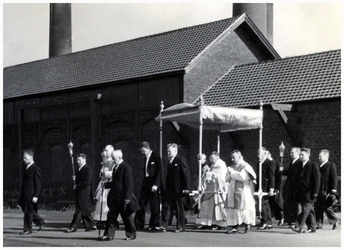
<point>60,42</point>
<point>260,13</point>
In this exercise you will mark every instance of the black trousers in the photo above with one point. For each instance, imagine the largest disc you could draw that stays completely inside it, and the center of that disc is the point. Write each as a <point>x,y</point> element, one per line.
<point>78,216</point>
<point>154,200</point>
<point>320,208</point>
<point>266,211</point>
<point>174,206</point>
<point>307,216</point>
<point>291,209</point>
<point>31,215</point>
<point>116,208</point>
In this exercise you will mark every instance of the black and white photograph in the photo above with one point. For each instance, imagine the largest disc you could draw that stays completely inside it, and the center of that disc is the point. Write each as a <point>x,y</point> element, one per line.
<point>171,124</point>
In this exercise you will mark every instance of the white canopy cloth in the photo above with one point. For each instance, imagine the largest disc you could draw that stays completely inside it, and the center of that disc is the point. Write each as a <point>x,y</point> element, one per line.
<point>221,119</point>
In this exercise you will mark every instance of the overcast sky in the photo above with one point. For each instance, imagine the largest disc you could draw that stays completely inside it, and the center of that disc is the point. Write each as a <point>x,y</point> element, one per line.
<point>298,28</point>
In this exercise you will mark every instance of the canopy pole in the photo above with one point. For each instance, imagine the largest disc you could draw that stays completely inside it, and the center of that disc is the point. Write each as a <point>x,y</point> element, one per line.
<point>260,192</point>
<point>200,149</point>
<point>161,109</point>
<point>218,142</point>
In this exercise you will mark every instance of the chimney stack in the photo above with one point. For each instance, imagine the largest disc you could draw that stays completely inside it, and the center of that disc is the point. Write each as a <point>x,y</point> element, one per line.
<point>260,13</point>
<point>60,42</point>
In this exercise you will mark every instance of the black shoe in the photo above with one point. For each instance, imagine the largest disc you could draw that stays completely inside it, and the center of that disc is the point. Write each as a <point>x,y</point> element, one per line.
<point>130,238</point>
<point>281,222</point>
<point>265,226</point>
<point>247,228</point>
<point>41,226</point>
<point>72,230</point>
<point>25,233</point>
<point>335,225</point>
<point>157,229</point>
<point>105,238</point>
<point>232,231</point>
<point>91,229</point>
<point>319,226</point>
<point>308,231</point>
<point>295,229</point>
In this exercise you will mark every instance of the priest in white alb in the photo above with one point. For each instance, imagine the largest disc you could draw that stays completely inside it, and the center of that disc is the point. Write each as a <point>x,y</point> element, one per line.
<point>240,204</point>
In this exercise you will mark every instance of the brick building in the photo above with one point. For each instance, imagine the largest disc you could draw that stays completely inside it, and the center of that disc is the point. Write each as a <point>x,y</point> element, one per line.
<point>308,87</point>
<point>111,95</point>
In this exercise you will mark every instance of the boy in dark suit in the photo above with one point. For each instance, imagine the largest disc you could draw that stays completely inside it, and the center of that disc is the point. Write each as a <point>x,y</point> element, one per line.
<point>30,191</point>
<point>328,185</point>
<point>268,186</point>
<point>83,205</point>
<point>307,193</point>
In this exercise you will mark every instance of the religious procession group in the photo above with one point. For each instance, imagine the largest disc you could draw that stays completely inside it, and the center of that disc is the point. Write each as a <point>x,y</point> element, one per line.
<point>225,200</point>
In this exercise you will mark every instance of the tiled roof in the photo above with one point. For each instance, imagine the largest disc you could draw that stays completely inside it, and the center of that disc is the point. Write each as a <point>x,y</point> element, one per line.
<point>160,53</point>
<point>293,79</point>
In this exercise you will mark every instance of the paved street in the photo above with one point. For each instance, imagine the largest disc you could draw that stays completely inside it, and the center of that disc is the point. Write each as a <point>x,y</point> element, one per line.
<point>53,234</point>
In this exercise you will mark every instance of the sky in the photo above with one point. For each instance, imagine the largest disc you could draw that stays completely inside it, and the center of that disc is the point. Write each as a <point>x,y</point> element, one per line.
<point>299,28</point>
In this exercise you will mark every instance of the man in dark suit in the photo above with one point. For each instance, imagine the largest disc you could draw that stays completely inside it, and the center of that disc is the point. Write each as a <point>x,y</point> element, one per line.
<point>268,186</point>
<point>307,193</point>
<point>83,204</point>
<point>30,191</point>
<point>150,190</point>
<point>328,185</point>
<point>293,172</point>
<point>177,180</point>
<point>121,199</point>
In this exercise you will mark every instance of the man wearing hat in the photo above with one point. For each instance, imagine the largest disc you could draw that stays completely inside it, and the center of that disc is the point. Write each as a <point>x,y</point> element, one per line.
<point>328,191</point>
<point>121,199</point>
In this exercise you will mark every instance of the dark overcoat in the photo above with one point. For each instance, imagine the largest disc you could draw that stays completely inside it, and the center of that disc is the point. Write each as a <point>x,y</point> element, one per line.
<point>83,190</point>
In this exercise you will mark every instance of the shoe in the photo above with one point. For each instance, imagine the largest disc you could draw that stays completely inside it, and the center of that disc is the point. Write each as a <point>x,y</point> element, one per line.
<point>72,230</point>
<point>335,225</point>
<point>247,228</point>
<point>157,229</point>
<point>319,226</point>
<point>178,231</point>
<point>41,226</point>
<point>232,231</point>
<point>130,238</point>
<point>105,238</point>
<point>91,229</point>
<point>25,233</point>
<point>281,222</point>
<point>265,226</point>
<point>295,229</point>
<point>308,231</point>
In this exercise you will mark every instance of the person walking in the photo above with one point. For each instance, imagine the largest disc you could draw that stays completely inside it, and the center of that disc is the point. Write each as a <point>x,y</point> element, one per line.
<point>307,193</point>
<point>292,208</point>
<point>177,181</point>
<point>83,202</point>
<point>121,199</point>
<point>240,203</point>
<point>30,192</point>
<point>150,190</point>
<point>328,186</point>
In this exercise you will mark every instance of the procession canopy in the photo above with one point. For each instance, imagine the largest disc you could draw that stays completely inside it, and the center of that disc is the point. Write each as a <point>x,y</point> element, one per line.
<point>222,119</point>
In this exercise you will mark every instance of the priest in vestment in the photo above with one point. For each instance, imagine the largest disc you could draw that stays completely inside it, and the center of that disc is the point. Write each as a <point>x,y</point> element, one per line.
<point>212,212</point>
<point>240,204</point>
